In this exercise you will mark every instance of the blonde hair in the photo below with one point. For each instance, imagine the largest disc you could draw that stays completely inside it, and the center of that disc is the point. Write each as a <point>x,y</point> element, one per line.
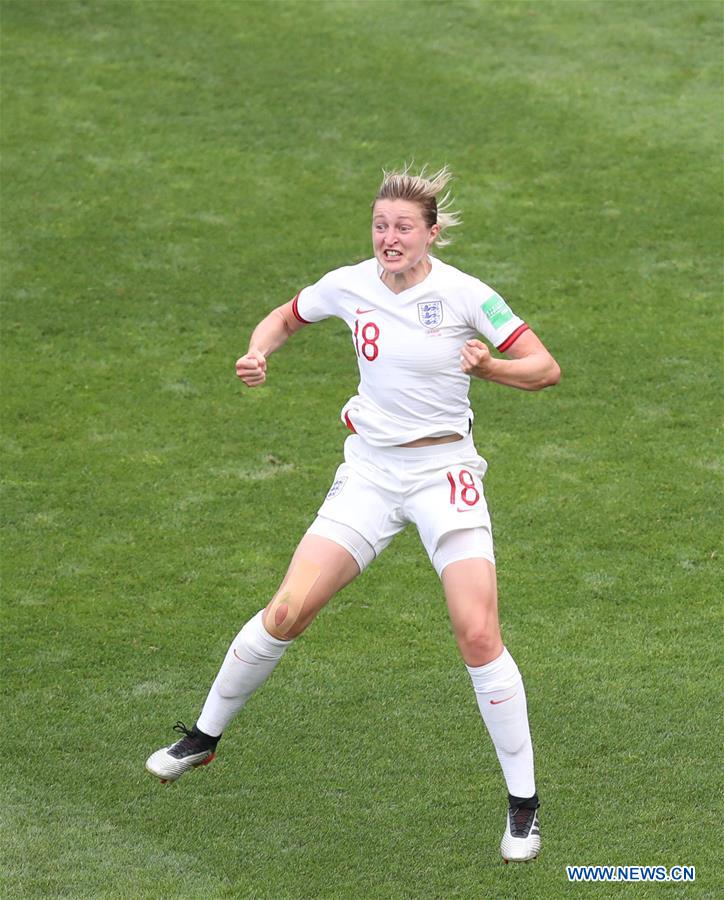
<point>423,190</point>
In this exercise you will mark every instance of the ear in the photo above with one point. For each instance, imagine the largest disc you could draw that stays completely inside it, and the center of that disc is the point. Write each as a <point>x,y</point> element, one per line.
<point>434,231</point>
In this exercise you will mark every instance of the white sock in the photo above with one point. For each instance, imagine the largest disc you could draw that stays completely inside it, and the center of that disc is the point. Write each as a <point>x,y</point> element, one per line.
<point>249,661</point>
<point>501,698</point>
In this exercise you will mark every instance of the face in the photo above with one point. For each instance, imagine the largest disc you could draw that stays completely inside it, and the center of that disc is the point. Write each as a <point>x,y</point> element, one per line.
<point>400,237</point>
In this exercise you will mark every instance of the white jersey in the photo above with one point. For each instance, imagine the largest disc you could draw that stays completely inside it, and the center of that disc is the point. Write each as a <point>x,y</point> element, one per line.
<point>408,346</point>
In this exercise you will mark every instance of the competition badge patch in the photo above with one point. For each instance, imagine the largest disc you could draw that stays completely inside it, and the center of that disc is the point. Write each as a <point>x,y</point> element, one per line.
<point>497,311</point>
<point>336,487</point>
<point>430,313</point>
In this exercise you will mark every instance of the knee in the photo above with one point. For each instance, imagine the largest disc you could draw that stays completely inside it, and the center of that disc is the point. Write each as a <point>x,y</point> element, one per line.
<point>480,642</point>
<point>285,617</point>
<point>284,630</point>
<point>293,608</point>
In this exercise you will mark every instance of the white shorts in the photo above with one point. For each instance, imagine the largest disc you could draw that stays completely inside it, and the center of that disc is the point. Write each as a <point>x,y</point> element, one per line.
<point>377,491</point>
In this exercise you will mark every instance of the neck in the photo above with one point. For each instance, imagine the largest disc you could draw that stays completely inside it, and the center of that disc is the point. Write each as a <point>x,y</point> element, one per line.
<point>398,282</point>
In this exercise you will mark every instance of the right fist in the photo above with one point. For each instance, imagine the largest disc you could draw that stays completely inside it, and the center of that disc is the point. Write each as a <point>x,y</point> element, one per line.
<point>251,368</point>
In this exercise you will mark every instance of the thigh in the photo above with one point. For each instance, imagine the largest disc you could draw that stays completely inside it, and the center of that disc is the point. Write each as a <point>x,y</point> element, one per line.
<point>472,598</point>
<point>318,570</point>
<point>366,505</point>
<point>448,499</point>
<point>463,543</point>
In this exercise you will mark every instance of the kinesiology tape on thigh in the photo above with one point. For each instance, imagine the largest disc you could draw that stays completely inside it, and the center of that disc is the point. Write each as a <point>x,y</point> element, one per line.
<point>287,606</point>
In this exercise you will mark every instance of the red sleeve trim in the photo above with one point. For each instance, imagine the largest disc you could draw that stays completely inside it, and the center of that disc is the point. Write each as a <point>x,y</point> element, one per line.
<point>295,310</point>
<point>348,423</point>
<point>509,341</point>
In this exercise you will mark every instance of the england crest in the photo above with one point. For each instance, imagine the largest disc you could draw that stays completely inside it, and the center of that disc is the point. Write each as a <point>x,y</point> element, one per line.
<point>336,487</point>
<point>430,313</point>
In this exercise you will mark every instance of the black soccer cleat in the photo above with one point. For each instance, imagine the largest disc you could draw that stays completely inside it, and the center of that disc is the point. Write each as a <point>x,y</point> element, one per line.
<point>194,749</point>
<point>521,840</point>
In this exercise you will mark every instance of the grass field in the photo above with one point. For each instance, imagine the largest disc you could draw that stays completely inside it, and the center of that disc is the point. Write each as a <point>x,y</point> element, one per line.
<point>173,170</point>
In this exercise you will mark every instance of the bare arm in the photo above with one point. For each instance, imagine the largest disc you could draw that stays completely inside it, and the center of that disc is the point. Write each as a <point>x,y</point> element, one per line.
<point>528,365</point>
<point>269,335</point>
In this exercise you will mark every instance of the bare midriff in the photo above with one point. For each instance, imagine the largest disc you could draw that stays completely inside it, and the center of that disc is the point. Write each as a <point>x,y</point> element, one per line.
<point>429,441</point>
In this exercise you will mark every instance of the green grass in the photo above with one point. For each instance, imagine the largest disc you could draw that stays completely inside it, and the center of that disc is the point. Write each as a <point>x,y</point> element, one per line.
<point>171,171</point>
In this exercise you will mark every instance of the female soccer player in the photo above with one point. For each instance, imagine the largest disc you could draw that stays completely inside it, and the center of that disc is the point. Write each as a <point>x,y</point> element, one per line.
<point>410,457</point>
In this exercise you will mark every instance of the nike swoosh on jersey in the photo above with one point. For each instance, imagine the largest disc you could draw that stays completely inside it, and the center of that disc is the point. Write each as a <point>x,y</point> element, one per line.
<point>504,700</point>
<point>361,312</point>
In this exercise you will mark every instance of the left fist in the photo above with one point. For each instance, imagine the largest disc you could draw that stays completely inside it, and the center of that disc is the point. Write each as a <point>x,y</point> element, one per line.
<point>475,359</point>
